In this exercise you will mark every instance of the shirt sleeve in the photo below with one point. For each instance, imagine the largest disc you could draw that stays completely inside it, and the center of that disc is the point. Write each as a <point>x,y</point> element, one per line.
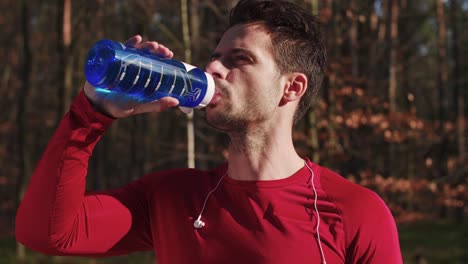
<point>57,216</point>
<point>371,232</point>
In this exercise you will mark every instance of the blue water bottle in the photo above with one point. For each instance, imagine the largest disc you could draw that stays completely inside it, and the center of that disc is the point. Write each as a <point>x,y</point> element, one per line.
<point>113,67</point>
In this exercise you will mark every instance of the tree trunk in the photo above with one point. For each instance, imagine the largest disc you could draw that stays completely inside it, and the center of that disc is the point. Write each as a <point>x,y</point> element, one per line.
<point>392,86</point>
<point>405,105</point>
<point>313,134</point>
<point>197,57</point>
<point>374,44</point>
<point>65,58</point>
<point>312,118</point>
<point>314,7</point>
<point>442,60</point>
<point>333,79</point>
<point>382,35</point>
<point>195,30</point>
<point>392,91</point>
<point>442,83</point>
<point>188,59</point>
<point>354,43</point>
<point>24,166</point>
<point>459,95</point>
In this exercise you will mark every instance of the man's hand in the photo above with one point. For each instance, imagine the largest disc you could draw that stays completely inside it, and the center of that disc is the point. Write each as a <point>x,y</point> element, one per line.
<point>118,105</point>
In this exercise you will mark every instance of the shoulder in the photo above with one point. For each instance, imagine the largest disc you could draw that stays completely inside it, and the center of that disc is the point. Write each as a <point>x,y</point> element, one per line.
<point>369,227</point>
<point>352,200</point>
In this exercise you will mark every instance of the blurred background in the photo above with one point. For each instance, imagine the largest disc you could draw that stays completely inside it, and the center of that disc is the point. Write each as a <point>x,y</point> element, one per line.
<point>391,115</point>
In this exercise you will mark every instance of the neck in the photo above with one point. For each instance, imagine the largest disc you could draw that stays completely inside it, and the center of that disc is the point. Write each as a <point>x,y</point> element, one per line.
<point>258,155</point>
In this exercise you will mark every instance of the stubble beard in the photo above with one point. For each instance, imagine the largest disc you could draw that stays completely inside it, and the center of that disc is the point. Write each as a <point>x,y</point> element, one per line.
<point>230,118</point>
<point>225,120</point>
<point>243,136</point>
<point>243,121</point>
<point>244,125</point>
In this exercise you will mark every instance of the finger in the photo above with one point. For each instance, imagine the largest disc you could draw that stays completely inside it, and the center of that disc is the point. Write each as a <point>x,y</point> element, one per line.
<point>166,52</point>
<point>133,41</point>
<point>150,46</point>
<point>171,55</point>
<point>156,48</point>
<point>157,106</point>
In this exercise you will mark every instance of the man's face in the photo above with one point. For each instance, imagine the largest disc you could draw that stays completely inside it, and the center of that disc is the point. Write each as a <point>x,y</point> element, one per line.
<point>247,79</point>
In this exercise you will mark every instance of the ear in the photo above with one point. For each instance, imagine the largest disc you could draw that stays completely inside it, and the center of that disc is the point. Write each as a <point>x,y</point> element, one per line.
<point>295,87</point>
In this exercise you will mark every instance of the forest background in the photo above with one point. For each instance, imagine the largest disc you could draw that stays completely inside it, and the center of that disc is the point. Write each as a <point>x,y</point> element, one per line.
<point>390,116</point>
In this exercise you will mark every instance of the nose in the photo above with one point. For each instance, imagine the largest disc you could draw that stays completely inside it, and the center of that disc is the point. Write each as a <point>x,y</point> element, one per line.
<point>216,69</point>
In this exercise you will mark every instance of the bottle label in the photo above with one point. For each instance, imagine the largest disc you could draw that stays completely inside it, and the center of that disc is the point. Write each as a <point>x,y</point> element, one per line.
<point>159,78</point>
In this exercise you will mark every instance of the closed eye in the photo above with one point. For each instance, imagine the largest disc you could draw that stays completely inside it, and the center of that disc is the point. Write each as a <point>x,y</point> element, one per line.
<point>242,59</point>
<point>235,58</point>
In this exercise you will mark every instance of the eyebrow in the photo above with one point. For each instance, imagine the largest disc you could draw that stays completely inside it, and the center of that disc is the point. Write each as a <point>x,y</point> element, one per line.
<point>217,55</point>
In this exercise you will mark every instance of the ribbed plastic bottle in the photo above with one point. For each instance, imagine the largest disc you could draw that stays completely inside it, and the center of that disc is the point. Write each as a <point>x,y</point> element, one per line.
<point>112,66</point>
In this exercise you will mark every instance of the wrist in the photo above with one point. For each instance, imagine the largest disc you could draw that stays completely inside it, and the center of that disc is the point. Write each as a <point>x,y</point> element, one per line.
<point>91,97</point>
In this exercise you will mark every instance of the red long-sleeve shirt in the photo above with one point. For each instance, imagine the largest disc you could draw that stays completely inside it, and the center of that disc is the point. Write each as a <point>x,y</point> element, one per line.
<point>246,221</point>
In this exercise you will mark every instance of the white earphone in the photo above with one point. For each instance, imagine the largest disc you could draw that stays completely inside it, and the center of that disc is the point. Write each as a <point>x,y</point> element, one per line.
<point>198,223</point>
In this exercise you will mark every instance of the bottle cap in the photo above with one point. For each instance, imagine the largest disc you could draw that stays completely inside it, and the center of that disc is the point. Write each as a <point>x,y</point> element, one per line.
<point>210,91</point>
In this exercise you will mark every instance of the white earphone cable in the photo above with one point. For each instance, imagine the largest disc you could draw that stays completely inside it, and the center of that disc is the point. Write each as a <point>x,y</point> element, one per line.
<point>198,222</point>
<point>317,212</point>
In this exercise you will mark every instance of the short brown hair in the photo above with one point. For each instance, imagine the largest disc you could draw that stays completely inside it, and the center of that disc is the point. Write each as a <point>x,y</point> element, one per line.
<point>297,39</point>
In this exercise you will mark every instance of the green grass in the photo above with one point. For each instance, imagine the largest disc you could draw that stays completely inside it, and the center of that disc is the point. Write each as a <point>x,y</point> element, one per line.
<point>440,242</point>
<point>437,243</point>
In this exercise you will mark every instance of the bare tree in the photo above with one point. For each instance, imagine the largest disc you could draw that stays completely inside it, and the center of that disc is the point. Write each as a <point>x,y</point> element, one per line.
<point>392,85</point>
<point>188,59</point>
<point>459,96</point>
<point>333,78</point>
<point>353,40</point>
<point>65,72</point>
<point>312,116</point>
<point>24,165</point>
<point>392,90</point>
<point>442,77</point>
